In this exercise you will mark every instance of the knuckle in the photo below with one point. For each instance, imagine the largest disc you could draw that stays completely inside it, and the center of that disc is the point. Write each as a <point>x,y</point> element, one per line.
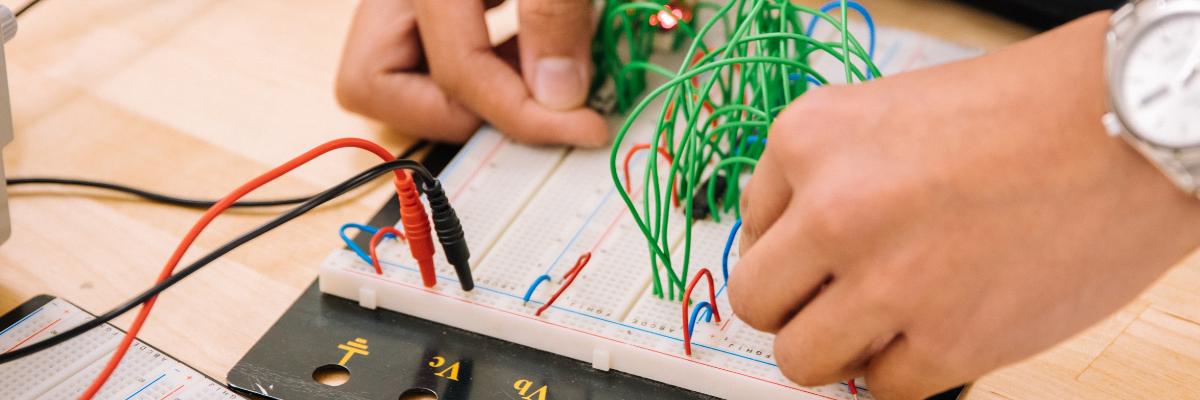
<point>890,283</point>
<point>350,91</point>
<point>924,352</point>
<point>828,96</point>
<point>739,300</point>
<point>794,142</point>
<point>746,305</point>
<point>793,363</point>
<point>752,195</point>
<point>744,202</point>
<point>895,283</point>
<point>449,131</point>
<point>784,135</point>
<point>820,101</point>
<point>897,277</point>
<point>763,321</point>
<point>812,118</point>
<point>842,207</point>
<point>885,294</point>
<point>447,81</point>
<point>950,357</point>
<point>548,11</point>
<point>961,352</point>
<point>830,217</point>
<point>752,225</point>
<point>884,386</point>
<point>451,77</point>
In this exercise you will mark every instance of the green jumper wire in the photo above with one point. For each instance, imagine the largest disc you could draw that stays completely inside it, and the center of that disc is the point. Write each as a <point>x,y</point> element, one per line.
<point>738,86</point>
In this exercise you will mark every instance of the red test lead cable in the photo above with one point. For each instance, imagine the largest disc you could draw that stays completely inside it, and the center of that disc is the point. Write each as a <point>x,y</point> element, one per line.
<point>217,209</point>
<point>416,227</point>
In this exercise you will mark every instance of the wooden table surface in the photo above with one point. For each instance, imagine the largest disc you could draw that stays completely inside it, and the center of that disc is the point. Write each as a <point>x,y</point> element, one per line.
<point>193,97</point>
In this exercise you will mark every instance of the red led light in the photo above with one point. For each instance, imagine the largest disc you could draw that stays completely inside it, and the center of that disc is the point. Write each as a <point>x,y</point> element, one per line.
<point>668,19</point>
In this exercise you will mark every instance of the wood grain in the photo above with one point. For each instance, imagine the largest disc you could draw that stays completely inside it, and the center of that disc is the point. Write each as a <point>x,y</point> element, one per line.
<point>193,97</point>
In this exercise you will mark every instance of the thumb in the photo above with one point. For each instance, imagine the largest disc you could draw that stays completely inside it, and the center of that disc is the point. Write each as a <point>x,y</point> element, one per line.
<point>555,41</point>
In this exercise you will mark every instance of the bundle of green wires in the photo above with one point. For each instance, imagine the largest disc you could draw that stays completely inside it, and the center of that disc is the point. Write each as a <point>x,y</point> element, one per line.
<point>718,106</point>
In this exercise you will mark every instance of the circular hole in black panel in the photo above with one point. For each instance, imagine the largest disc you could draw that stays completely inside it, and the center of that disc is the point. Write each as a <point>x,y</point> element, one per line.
<point>418,394</point>
<point>331,374</point>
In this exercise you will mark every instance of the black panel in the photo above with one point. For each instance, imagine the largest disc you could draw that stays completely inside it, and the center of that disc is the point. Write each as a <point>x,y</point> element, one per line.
<point>401,350</point>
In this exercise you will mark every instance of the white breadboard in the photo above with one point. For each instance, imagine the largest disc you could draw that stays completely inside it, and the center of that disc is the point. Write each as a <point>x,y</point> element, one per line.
<point>64,371</point>
<point>532,211</point>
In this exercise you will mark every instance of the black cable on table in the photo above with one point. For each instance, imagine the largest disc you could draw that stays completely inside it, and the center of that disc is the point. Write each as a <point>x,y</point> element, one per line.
<point>151,196</point>
<point>428,183</point>
<point>180,201</point>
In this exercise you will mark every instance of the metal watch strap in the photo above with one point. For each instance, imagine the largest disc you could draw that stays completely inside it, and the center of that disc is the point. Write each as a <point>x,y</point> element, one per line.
<point>1189,161</point>
<point>1181,165</point>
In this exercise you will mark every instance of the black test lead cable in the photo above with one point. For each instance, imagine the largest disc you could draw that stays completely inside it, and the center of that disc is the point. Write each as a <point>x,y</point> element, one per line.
<point>180,201</point>
<point>456,250</point>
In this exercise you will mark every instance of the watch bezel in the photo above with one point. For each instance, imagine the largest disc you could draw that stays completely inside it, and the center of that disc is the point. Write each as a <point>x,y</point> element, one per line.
<point>1146,15</point>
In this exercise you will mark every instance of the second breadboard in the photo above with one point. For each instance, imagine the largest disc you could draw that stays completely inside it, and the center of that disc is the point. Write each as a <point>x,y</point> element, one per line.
<point>64,371</point>
<point>532,214</point>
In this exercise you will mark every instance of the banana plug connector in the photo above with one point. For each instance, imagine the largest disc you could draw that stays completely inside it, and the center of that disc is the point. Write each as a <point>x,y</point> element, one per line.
<point>449,232</point>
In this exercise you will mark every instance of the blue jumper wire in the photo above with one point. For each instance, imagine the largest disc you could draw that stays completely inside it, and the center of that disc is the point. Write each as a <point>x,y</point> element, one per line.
<point>353,246</point>
<point>812,24</point>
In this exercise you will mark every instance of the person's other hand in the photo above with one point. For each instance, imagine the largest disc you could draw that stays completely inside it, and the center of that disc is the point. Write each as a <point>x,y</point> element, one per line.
<point>927,228</point>
<point>426,68</point>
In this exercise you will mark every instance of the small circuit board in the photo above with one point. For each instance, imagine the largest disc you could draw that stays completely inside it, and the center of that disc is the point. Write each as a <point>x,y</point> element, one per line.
<point>63,372</point>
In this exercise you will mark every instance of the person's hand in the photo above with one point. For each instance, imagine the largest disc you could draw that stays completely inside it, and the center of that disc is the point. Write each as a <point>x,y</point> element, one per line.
<point>426,68</point>
<point>927,228</point>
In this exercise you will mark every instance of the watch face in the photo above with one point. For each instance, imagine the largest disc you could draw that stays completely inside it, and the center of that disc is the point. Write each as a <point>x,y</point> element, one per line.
<point>1159,85</point>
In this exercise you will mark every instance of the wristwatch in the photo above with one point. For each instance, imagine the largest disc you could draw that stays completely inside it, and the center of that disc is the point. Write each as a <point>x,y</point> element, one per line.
<point>1152,65</point>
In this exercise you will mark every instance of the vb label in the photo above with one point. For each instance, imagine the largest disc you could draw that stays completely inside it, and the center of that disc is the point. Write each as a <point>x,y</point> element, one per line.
<point>523,386</point>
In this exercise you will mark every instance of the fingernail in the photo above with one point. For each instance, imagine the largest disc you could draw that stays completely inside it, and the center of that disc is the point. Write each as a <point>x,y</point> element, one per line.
<point>559,83</point>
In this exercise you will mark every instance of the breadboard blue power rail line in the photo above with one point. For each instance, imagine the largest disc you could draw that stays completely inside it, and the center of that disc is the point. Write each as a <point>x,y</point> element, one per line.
<point>389,355</point>
<point>63,372</point>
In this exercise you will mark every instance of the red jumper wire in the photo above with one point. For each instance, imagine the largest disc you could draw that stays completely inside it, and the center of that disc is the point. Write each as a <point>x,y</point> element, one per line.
<point>375,240</point>
<point>570,277</point>
<point>662,151</point>
<point>712,302</point>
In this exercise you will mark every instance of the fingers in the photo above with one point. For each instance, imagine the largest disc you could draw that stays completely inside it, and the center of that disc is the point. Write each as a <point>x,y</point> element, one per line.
<point>904,370</point>
<point>763,200</point>
<point>379,76</point>
<point>776,276</point>
<point>411,104</point>
<point>555,50</point>
<point>463,64</point>
<point>831,339</point>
